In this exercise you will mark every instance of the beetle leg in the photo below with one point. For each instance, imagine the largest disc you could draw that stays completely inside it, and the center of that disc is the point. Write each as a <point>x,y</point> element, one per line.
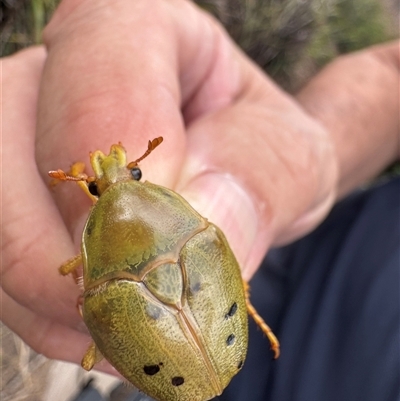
<point>85,189</point>
<point>71,265</point>
<point>260,322</point>
<point>91,357</point>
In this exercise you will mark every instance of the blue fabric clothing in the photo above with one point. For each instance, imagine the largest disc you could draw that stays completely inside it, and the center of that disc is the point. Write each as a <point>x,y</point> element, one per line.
<point>333,300</point>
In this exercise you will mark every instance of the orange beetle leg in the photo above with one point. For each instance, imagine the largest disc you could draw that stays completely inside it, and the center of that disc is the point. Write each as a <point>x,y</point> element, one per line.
<point>71,265</point>
<point>261,323</point>
<point>91,357</point>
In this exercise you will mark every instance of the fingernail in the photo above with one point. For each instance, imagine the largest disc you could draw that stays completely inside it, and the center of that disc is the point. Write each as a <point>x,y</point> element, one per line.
<point>225,203</point>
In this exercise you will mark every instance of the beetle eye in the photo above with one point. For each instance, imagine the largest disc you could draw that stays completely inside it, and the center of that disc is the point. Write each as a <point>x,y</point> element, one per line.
<point>92,187</point>
<point>136,173</point>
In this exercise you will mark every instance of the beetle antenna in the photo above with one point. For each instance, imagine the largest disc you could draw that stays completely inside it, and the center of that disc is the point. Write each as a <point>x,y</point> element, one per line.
<point>80,178</point>
<point>150,147</point>
<point>63,176</point>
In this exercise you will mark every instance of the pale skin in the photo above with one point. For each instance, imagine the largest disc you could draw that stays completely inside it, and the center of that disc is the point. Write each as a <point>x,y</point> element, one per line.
<point>264,166</point>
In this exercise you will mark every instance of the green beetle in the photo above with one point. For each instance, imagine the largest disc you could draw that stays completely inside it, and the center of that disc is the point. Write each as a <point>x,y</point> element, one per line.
<point>163,299</point>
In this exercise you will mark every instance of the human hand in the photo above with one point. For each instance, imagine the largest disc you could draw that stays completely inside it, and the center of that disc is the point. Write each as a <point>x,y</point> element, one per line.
<point>175,73</point>
<point>242,151</point>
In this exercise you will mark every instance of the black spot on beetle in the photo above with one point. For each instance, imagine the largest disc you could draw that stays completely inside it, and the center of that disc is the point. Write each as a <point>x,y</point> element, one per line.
<point>177,381</point>
<point>230,340</point>
<point>232,311</point>
<point>240,364</point>
<point>154,311</point>
<point>151,369</point>
<point>195,287</point>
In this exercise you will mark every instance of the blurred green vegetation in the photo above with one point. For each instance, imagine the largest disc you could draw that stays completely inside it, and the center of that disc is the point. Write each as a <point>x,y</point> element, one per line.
<point>359,24</point>
<point>289,39</point>
<point>22,23</point>
<point>292,39</point>
<point>349,26</point>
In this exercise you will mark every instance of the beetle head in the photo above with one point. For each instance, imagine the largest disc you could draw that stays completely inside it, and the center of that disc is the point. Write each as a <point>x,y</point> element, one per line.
<point>110,168</point>
<point>113,168</point>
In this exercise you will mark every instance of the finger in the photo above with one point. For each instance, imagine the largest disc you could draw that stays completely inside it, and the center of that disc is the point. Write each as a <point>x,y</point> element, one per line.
<point>35,241</point>
<point>360,108</point>
<point>169,42</point>
<point>254,167</point>
<point>100,89</point>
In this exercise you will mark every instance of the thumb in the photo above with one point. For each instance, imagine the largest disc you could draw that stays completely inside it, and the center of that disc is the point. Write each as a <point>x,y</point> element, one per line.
<point>257,167</point>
